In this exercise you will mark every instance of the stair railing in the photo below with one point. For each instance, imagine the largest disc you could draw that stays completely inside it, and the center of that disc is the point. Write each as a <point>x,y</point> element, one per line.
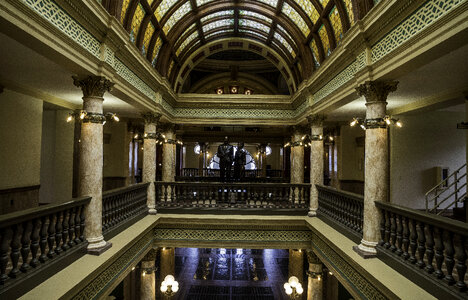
<point>449,191</point>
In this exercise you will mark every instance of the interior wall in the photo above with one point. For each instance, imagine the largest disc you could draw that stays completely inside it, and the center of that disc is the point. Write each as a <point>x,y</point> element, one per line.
<point>57,157</point>
<point>115,150</point>
<point>352,155</point>
<point>20,136</point>
<point>427,140</point>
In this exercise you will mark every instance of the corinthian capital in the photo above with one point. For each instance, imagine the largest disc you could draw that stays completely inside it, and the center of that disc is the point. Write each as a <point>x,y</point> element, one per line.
<point>151,117</point>
<point>375,91</point>
<point>316,120</point>
<point>93,86</point>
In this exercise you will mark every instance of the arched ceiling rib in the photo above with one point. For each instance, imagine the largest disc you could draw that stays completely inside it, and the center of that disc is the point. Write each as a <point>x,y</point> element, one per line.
<point>303,32</point>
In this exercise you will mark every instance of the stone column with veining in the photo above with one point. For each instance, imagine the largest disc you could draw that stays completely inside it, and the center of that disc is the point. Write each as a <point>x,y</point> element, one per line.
<point>296,264</point>
<point>91,158</point>
<point>335,182</point>
<point>148,276</point>
<point>316,160</point>
<point>168,155</point>
<point>315,280</point>
<point>297,157</point>
<point>376,184</point>
<point>149,158</point>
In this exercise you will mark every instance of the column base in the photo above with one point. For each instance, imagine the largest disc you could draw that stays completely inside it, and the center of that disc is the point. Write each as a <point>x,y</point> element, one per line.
<point>312,213</point>
<point>152,211</point>
<point>366,249</point>
<point>100,250</point>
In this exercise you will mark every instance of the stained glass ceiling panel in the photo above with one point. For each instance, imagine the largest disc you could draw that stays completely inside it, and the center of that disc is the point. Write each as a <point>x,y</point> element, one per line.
<point>285,32</point>
<point>202,2</point>
<point>292,14</point>
<point>163,7</point>
<point>284,43</point>
<point>254,24</point>
<point>324,2</point>
<point>187,41</point>
<point>250,31</point>
<point>176,16</point>
<point>218,14</point>
<point>217,24</point>
<point>309,8</point>
<point>255,15</point>
<point>219,32</point>
<point>272,3</point>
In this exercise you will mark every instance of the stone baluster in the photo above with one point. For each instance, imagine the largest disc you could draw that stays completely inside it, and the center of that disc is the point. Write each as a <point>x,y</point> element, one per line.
<point>148,276</point>
<point>376,161</point>
<point>91,158</point>
<point>149,158</point>
<point>316,160</point>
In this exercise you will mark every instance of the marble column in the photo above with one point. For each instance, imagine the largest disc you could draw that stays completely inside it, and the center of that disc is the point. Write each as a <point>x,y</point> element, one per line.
<point>296,264</point>
<point>316,160</point>
<point>315,280</point>
<point>376,161</point>
<point>149,158</point>
<point>148,276</point>
<point>201,158</point>
<point>336,158</point>
<point>297,157</point>
<point>91,158</point>
<point>168,155</point>
<point>263,159</point>
<point>167,262</point>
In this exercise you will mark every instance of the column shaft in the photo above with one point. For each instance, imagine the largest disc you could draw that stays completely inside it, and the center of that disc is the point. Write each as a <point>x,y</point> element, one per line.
<point>149,158</point>
<point>168,163</point>
<point>148,281</point>
<point>315,284</point>
<point>297,160</point>
<point>316,160</point>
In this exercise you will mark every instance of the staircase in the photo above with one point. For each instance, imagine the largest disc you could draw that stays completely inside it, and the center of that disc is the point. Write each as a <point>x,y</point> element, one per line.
<point>449,194</point>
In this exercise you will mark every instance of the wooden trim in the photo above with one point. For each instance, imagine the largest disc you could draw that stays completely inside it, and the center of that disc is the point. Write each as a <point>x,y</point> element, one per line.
<point>20,189</point>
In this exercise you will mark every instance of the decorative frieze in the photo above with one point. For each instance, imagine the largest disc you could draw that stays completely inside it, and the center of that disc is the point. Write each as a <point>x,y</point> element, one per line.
<point>94,118</point>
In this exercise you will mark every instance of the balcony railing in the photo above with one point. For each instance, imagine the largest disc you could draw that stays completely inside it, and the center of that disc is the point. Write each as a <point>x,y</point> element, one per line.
<point>36,237</point>
<point>123,205</point>
<point>280,196</point>
<point>426,247</point>
<point>343,209</point>
<point>194,172</point>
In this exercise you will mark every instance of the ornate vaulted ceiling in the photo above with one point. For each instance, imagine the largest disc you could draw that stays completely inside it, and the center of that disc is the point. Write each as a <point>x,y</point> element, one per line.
<point>300,33</point>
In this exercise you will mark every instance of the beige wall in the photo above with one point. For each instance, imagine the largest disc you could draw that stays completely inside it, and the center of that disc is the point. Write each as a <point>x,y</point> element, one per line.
<point>20,140</point>
<point>57,157</point>
<point>352,156</point>
<point>427,140</point>
<point>116,151</point>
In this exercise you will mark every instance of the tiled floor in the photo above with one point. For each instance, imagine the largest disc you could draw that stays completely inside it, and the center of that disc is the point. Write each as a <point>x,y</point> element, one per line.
<point>231,273</point>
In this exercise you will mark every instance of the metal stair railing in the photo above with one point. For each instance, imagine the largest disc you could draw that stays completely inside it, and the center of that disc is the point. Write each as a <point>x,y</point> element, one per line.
<point>449,191</point>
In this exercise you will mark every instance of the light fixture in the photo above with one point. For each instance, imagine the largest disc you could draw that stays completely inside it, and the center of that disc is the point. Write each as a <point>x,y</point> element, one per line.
<point>234,89</point>
<point>85,116</point>
<point>376,122</point>
<point>293,288</point>
<point>169,286</point>
<point>219,91</point>
<point>248,91</point>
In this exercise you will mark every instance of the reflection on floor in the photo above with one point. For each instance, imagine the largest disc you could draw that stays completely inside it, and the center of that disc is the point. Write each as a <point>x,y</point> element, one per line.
<point>231,273</point>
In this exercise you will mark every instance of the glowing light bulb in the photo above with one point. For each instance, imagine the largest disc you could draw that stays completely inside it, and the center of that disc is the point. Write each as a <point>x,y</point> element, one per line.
<point>163,288</point>
<point>136,136</point>
<point>289,291</point>
<point>399,124</point>
<point>299,290</point>
<point>169,279</point>
<point>330,138</point>
<point>82,115</point>
<point>70,118</point>
<point>354,122</point>
<point>115,118</point>
<point>387,120</point>
<point>363,127</point>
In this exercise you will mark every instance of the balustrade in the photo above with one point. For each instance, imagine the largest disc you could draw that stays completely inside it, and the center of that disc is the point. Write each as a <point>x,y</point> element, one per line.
<point>35,237</point>
<point>343,208</point>
<point>232,195</point>
<point>194,172</point>
<point>415,239</point>
<point>123,204</point>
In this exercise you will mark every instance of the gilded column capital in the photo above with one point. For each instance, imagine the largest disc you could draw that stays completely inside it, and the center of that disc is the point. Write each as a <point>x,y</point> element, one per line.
<point>316,120</point>
<point>168,127</point>
<point>150,256</point>
<point>376,91</point>
<point>151,118</point>
<point>93,86</point>
<point>312,258</point>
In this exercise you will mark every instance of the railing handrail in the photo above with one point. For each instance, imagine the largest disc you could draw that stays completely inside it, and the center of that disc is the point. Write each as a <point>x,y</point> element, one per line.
<point>446,188</point>
<point>436,220</point>
<point>35,212</point>
<point>357,197</point>
<point>116,191</point>
<point>445,180</point>
<point>239,184</point>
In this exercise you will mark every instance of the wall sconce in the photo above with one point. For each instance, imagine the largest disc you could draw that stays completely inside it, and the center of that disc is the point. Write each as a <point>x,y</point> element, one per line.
<point>376,123</point>
<point>88,117</point>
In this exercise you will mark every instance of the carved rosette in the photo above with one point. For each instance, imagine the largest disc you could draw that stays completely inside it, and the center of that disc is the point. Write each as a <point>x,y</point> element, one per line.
<point>151,118</point>
<point>93,86</point>
<point>376,91</point>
